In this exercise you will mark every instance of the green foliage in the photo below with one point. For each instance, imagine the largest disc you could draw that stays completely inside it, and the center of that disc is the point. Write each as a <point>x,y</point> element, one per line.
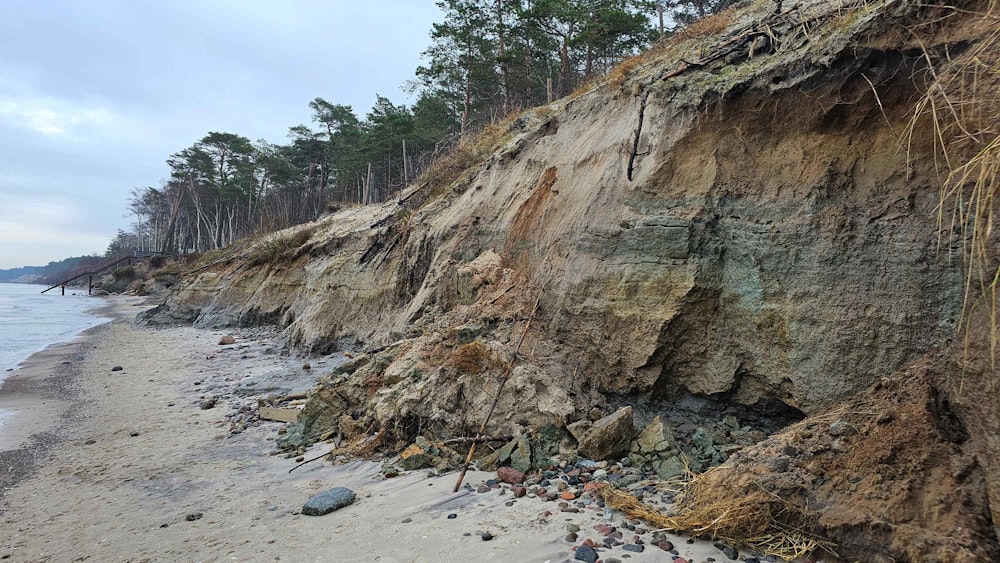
<point>487,60</point>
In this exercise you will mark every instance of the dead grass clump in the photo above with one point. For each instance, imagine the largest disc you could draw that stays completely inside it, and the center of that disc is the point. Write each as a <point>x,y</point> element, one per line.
<point>963,108</point>
<point>475,358</point>
<point>723,505</point>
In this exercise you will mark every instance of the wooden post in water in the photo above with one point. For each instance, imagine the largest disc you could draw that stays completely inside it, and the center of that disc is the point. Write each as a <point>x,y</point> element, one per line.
<point>90,284</point>
<point>64,289</point>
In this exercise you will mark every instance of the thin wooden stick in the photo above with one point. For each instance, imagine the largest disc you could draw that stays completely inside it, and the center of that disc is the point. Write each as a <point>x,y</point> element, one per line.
<point>496,399</point>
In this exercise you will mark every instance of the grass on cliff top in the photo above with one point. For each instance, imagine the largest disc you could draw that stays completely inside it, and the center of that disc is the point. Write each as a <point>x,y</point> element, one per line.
<point>963,106</point>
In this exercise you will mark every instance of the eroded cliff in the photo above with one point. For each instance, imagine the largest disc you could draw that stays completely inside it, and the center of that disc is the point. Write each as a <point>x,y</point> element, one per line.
<point>748,215</point>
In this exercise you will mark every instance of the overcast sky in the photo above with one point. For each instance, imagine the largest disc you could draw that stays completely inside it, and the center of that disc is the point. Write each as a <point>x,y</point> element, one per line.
<point>96,94</point>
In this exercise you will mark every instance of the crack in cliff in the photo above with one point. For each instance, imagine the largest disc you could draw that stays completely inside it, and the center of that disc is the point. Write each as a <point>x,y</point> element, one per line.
<point>638,135</point>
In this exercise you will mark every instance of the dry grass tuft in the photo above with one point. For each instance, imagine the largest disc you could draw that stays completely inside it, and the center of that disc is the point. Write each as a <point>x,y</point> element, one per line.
<point>723,505</point>
<point>476,357</point>
<point>468,152</point>
<point>963,106</point>
<point>708,26</point>
<point>279,247</point>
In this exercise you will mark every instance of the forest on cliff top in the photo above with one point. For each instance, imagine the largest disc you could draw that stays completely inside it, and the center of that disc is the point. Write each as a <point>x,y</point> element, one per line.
<point>487,60</point>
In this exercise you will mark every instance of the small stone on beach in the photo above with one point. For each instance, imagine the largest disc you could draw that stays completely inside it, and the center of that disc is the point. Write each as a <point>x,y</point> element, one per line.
<point>193,516</point>
<point>585,553</point>
<point>117,368</point>
<point>328,501</point>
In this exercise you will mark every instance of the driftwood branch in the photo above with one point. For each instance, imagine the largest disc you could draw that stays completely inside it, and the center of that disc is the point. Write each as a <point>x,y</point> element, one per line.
<point>477,440</point>
<point>496,399</point>
<point>312,460</point>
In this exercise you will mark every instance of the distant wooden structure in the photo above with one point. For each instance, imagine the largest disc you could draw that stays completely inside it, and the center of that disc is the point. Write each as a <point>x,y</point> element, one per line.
<point>94,269</point>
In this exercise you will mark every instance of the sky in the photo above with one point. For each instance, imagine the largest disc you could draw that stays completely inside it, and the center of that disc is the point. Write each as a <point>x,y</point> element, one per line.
<point>96,94</point>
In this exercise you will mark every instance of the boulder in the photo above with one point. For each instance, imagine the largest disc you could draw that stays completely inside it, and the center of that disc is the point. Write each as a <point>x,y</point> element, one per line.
<point>670,468</point>
<point>610,436</point>
<point>520,458</point>
<point>227,340</point>
<point>414,457</point>
<point>655,438</point>
<point>328,501</point>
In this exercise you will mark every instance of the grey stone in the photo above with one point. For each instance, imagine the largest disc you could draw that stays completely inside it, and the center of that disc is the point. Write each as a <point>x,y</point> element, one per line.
<point>702,439</point>
<point>328,501</point>
<point>841,428</point>
<point>610,436</point>
<point>117,368</point>
<point>585,553</point>
<point>670,468</point>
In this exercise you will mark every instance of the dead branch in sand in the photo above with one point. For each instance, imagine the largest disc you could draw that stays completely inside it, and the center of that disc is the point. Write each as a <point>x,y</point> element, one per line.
<point>496,398</point>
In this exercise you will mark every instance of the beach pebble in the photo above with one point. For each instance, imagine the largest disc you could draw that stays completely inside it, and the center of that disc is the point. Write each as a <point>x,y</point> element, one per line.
<point>406,520</point>
<point>227,340</point>
<point>328,501</point>
<point>585,553</point>
<point>483,489</point>
<point>510,475</point>
<point>133,433</point>
<point>572,527</point>
<point>272,507</point>
<point>452,516</point>
<point>634,547</point>
<point>117,368</point>
<point>571,537</point>
<point>207,404</point>
<point>729,551</point>
<point>487,536</point>
<point>193,516</point>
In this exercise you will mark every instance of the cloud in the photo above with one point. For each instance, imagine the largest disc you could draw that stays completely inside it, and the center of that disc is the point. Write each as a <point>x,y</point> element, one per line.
<point>34,230</point>
<point>51,117</point>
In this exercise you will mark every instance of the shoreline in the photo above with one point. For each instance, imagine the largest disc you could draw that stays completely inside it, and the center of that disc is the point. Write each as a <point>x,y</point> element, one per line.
<point>128,465</point>
<point>100,311</point>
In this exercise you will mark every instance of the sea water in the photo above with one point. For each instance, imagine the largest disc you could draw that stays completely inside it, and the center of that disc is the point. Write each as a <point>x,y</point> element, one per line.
<point>31,320</point>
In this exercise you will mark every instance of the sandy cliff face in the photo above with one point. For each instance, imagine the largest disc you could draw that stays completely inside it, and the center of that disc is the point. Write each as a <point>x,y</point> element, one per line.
<point>747,215</point>
<point>768,241</point>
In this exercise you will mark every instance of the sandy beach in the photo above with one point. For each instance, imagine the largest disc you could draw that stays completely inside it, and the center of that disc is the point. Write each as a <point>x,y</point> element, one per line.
<point>102,465</point>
